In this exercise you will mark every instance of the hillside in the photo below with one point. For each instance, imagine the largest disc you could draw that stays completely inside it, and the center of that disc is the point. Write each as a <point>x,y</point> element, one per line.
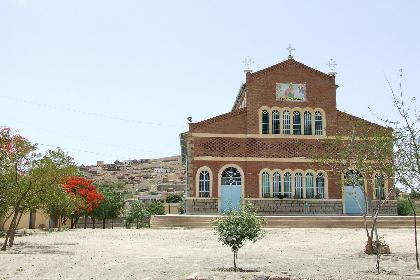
<point>140,177</point>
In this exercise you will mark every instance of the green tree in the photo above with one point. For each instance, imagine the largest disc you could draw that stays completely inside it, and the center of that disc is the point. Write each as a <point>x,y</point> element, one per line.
<point>112,205</point>
<point>237,227</point>
<point>137,215</point>
<point>59,207</point>
<point>29,178</point>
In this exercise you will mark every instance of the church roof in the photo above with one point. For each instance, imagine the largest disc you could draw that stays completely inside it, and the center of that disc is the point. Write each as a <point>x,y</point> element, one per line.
<point>219,117</point>
<point>285,63</point>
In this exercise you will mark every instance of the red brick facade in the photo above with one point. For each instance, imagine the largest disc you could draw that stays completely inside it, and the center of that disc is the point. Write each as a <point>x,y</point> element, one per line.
<point>236,138</point>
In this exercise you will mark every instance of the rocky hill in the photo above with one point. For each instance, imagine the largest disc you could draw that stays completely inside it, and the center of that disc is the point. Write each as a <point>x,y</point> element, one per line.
<point>140,177</point>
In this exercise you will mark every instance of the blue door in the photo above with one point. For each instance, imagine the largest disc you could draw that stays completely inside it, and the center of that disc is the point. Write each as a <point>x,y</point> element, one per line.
<point>231,197</point>
<point>354,200</point>
<point>231,189</point>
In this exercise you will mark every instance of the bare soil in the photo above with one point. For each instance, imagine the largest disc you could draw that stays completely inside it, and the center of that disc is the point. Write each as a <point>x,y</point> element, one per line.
<point>177,253</point>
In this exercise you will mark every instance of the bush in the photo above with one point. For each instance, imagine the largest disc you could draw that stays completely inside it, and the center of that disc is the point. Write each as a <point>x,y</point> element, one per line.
<point>137,215</point>
<point>403,207</point>
<point>156,208</point>
<point>174,198</point>
<point>2,233</point>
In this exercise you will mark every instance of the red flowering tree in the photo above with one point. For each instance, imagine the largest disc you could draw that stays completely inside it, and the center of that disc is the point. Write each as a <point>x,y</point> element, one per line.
<point>84,194</point>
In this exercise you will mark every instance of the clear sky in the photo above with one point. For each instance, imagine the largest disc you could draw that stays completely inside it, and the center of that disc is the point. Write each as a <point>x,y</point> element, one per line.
<point>107,80</point>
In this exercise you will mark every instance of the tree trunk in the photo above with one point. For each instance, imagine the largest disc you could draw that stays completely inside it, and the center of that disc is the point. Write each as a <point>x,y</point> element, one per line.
<point>369,246</point>
<point>12,227</point>
<point>12,237</point>
<point>93,223</point>
<point>85,225</point>
<point>112,224</point>
<point>415,231</point>
<point>235,257</point>
<point>103,223</point>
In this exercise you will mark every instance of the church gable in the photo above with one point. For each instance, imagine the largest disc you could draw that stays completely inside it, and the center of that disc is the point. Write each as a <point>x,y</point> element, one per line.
<point>290,84</point>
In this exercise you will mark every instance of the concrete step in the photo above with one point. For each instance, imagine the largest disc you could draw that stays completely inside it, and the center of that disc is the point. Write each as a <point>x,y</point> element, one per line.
<point>205,221</point>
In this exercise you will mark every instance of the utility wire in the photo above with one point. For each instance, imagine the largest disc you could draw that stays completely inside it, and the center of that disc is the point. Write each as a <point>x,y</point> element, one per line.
<point>112,117</point>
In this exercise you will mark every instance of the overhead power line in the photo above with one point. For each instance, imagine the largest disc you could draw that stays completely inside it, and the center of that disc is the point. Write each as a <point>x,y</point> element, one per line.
<point>99,115</point>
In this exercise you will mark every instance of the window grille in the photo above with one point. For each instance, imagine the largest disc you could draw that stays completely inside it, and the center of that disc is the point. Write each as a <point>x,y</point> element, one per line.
<point>320,185</point>
<point>298,185</point>
<point>287,184</point>
<point>310,190</point>
<point>276,184</point>
<point>318,123</point>
<point>204,184</point>
<point>275,122</point>
<point>307,126</point>
<point>286,122</point>
<point>265,122</point>
<point>296,123</point>
<point>265,177</point>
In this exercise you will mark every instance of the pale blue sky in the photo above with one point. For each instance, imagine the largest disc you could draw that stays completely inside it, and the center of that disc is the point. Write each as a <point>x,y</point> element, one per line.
<point>109,80</point>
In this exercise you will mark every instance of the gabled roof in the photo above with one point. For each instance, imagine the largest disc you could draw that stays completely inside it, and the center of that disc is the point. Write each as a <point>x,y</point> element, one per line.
<point>345,116</point>
<point>219,117</point>
<point>285,63</point>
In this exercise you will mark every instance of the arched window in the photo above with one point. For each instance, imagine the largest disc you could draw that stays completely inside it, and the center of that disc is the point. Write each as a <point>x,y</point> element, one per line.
<point>265,184</point>
<point>298,185</point>
<point>318,123</point>
<point>275,116</point>
<point>354,178</point>
<point>379,186</point>
<point>265,122</point>
<point>204,184</point>
<point>310,188</point>
<point>231,177</point>
<point>276,184</point>
<point>286,122</point>
<point>320,185</point>
<point>296,123</point>
<point>287,185</point>
<point>307,123</point>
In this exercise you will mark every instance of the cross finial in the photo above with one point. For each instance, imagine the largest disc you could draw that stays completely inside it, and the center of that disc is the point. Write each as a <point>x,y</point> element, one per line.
<point>290,49</point>
<point>247,62</point>
<point>331,64</point>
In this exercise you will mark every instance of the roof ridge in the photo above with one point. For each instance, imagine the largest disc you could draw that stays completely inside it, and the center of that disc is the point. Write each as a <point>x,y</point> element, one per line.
<point>285,62</point>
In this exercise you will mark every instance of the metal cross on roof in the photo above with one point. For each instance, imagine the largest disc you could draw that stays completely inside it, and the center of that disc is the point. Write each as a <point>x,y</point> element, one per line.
<point>290,49</point>
<point>247,61</point>
<point>331,63</point>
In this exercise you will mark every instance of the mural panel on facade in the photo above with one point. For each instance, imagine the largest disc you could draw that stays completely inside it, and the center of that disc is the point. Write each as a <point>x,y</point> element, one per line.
<point>290,91</point>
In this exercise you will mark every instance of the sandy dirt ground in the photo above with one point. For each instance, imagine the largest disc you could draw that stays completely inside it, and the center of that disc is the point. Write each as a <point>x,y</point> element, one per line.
<point>177,253</point>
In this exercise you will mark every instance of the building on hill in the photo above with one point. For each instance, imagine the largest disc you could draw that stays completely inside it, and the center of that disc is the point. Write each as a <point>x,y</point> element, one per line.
<point>260,151</point>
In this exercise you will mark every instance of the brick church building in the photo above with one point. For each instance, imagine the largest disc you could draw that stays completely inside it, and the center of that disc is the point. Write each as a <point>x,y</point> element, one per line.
<point>258,151</point>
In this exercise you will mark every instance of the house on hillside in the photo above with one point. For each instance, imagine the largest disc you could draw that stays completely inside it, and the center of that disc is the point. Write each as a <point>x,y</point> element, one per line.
<point>260,150</point>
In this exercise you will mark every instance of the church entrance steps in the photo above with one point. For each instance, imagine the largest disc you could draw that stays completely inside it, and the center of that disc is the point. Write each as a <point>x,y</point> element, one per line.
<point>205,221</point>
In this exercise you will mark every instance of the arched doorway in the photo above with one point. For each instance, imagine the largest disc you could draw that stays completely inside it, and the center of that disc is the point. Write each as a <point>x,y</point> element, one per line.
<point>231,189</point>
<point>354,195</point>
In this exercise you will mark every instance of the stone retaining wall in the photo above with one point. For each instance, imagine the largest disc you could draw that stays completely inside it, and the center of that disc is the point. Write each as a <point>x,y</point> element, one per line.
<point>202,205</point>
<point>270,206</point>
<point>388,209</point>
<point>274,206</point>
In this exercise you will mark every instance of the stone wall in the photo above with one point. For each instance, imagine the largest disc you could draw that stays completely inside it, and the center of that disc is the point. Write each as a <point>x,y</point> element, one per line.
<point>202,205</point>
<point>388,209</point>
<point>269,206</point>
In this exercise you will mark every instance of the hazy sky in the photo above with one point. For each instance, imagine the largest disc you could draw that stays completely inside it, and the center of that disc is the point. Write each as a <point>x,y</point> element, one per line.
<point>107,80</point>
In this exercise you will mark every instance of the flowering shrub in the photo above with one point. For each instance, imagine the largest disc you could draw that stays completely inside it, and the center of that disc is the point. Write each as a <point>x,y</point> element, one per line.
<point>84,193</point>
